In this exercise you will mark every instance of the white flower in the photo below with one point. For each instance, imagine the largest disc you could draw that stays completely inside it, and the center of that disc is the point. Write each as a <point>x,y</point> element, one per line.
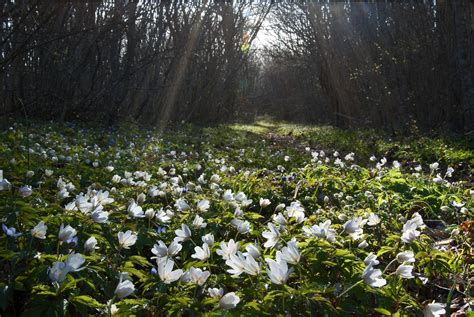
<point>237,264</point>
<point>241,226</point>
<point>449,172</point>
<point>353,227</point>
<point>198,222</point>
<point>251,266</point>
<point>4,183</point>
<point>228,249</point>
<point>202,253</point>
<point>409,235</point>
<point>74,262</point>
<point>371,259</point>
<point>339,162</point>
<point>278,271</point>
<point>208,239</point>
<point>373,277</point>
<point>150,213</point>
<point>163,216</point>
<point>240,197</point>
<point>322,231</point>
<point>181,205</point>
<point>58,271</point>
<point>252,250</point>
<point>295,210</point>
<point>434,166</point>
<point>438,179</point>
<point>124,287</point>
<point>243,263</point>
<point>66,233</point>
<point>182,234</point>
<point>39,231</point>
<point>215,178</point>
<point>405,271</point>
<point>83,204</point>
<point>383,161</point>
<point>229,301</point>
<point>228,196</point>
<point>215,292</point>
<point>290,253</point>
<point>246,202</point>
<point>410,231</point>
<point>165,271</point>
<point>153,191</point>
<point>203,205</point>
<point>127,239</point>
<point>91,244</point>
<point>141,198</point>
<point>280,207</point>
<point>272,236</point>
<point>161,250</point>
<point>63,193</point>
<point>196,276</point>
<point>434,310</point>
<point>363,245</point>
<point>280,219</point>
<point>406,256</point>
<point>264,202</point>
<point>349,157</point>
<point>238,212</point>
<point>25,191</point>
<point>457,204</point>
<point>135,211</point>
<point>373,219</point>
<point>100,216</point>
<point>48,172</point>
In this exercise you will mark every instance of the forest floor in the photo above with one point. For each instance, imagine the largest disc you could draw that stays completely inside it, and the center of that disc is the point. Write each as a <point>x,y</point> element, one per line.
<point>269,218</point>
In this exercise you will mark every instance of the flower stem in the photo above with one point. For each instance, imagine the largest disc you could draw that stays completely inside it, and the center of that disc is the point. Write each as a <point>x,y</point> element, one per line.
<point>347,290</point>
<point>390,263</point>
<point>109,307</point>
<point>57,249</point>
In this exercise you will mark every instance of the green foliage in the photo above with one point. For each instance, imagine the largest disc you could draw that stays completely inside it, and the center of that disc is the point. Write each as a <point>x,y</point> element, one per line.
<point>261,161</point>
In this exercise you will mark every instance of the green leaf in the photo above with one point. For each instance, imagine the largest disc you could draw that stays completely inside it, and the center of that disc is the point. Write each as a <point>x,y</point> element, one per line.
<point>86,301</point>
<point>253,215</point>
<point>383,311</point>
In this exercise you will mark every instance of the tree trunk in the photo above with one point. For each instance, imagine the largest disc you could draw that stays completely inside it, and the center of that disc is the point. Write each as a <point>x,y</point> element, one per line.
<point>462,54</point>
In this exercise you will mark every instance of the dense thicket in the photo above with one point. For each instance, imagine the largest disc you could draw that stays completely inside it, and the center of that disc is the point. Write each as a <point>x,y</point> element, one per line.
<point>348,63</point>
<point>384,64</point>
<point>149,61</point>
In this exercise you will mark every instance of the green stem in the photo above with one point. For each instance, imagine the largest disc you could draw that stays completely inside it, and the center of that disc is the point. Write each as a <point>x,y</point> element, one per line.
<point>29,244</point>
<point>209,265</point>
<point>57,249</point>
<point>109,307</point>
<point>347,290</point>
<point>391,262</point>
